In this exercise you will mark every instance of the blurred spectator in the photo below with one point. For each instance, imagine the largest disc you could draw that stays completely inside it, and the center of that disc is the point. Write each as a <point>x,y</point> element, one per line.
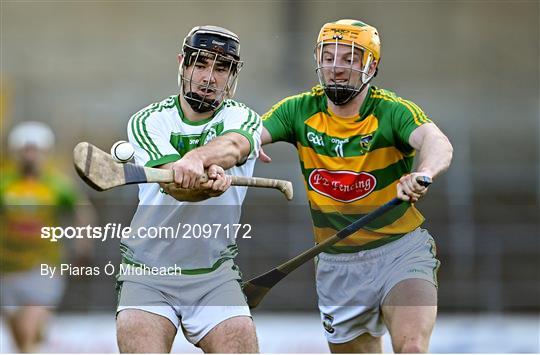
<point>33,195</point>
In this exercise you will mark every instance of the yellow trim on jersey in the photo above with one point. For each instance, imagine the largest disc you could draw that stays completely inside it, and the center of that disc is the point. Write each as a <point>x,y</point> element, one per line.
<point>335,127</point>
<point>376,159</point>
<point>422,116</point>
<point>418,116</point>
<point>316,91</point>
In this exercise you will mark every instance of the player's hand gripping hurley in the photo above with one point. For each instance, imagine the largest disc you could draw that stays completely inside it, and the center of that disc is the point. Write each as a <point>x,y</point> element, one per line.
<point>99,170</point>
<point>256,288</point>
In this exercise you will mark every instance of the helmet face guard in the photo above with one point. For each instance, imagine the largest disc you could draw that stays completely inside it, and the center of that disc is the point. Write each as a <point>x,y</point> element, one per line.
<point>342,80</point>
<point>344,54</point>
<point>209,53</point>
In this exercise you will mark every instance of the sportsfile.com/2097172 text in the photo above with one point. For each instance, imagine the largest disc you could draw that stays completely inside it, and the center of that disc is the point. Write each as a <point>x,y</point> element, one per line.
<point>118,231</point>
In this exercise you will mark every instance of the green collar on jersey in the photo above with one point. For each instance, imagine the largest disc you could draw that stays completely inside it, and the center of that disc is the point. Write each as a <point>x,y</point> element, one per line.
<point>367,105</point>
<point>194,123</point>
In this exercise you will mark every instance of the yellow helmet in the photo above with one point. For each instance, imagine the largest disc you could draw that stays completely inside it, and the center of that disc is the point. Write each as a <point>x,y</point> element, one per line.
<point>358,36</point>
<point>353,31</point>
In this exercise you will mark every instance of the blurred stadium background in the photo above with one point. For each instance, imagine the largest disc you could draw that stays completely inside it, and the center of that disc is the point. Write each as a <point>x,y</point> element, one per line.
<point>84,67</point>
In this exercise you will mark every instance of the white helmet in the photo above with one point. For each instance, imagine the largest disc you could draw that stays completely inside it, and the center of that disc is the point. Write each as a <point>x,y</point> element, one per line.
<point>31,133</point>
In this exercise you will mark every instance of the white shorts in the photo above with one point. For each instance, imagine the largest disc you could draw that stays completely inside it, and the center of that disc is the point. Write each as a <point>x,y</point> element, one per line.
<point>197,303</point>
<point>29,288</point>
<point>352,286</point>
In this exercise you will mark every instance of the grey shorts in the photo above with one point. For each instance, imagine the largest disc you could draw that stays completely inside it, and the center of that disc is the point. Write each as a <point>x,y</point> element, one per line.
<point>352,287</point>
<point>196,303</point>
<point>30,288</point>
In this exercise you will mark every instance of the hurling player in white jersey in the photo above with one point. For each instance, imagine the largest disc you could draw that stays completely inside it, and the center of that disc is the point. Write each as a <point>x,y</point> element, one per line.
<point>201,129</point>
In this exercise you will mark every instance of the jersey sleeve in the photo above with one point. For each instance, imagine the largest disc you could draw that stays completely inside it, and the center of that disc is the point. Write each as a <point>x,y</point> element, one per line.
<point>244,121</point>
<point>407,116</point>
<point>151,140</point>
<point>279,121</point>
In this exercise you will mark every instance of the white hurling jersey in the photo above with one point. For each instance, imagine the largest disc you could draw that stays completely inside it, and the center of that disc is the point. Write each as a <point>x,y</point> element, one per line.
<point>194,236</point>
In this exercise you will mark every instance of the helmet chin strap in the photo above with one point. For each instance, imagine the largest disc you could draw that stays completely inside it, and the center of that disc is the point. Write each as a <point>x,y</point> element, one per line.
<point>200,104</point>
<point>340,94</point>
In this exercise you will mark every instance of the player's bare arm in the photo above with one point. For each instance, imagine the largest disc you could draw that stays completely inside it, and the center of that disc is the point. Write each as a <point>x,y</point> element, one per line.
<point>265,139</point>
<point>434,157</point>
<point>225,151</point>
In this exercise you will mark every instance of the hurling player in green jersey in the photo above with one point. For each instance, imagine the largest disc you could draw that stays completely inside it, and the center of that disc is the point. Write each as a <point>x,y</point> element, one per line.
<point>356,145</point>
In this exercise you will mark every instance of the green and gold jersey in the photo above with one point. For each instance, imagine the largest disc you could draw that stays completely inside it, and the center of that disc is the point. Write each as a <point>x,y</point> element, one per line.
<point>27,205</point>
<point>351,165</point>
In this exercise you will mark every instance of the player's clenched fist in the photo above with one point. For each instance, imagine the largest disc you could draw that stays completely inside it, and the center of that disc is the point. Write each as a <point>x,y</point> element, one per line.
<point>188,171</point>
<point>218,182</point>
<point>408,188</point>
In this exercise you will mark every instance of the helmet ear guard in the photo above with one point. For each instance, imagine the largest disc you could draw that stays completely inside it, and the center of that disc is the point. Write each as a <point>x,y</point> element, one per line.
<point>215,45</point>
